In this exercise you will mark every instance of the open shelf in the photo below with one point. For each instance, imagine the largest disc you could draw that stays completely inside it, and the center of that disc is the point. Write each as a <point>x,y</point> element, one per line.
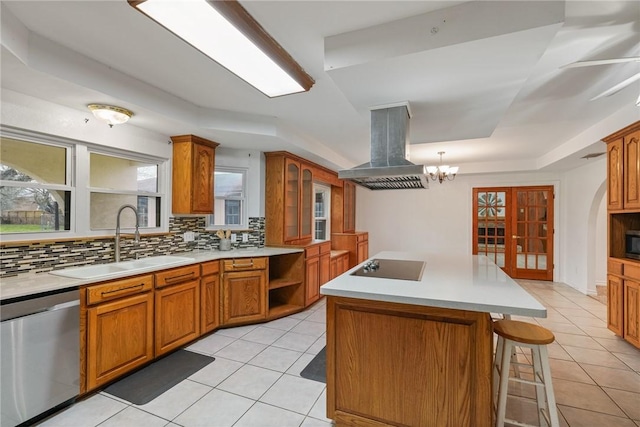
<point>283,283</point>
<point>283,310</point>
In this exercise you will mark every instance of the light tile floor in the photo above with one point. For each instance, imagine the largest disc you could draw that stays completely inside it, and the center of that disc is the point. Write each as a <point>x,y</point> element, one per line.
<point>255,380</point>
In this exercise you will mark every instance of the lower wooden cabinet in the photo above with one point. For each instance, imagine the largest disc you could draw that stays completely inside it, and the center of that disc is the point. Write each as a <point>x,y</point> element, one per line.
<point>357,244</point>
<point>244,290</point>
<point>614,301</point>
<point>312,279</point>
<point>177,316</point>
<point>623,299</point>
<point>119,338</point>
<point>631,312</point>
<point>210,296</point>
<point>339,263</point>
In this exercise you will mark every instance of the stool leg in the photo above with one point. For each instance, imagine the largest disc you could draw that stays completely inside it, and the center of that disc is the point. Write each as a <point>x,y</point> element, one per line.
<point>514,361</point>
<point>497,362</point>
<point>548,386</point>
<point>504,382</point>
<point>538,376</point>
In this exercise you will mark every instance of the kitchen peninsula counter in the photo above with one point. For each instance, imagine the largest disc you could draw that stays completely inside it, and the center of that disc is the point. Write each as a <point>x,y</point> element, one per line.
<point>417,353</point>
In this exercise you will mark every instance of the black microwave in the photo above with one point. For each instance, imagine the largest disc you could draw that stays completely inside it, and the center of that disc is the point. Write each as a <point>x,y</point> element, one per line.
<point>632,244</point>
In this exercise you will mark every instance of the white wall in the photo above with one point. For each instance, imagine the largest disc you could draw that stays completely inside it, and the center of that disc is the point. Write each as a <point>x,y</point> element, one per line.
<point>440,218</point>
<point>583,190</point>
<point>601,246</point>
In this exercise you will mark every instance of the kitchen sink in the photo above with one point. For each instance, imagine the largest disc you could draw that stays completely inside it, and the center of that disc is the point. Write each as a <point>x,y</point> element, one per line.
<point>107,270</point>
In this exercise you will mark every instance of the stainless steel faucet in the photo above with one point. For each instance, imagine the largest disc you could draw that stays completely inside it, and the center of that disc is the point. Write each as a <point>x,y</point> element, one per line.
<point>136,235</point>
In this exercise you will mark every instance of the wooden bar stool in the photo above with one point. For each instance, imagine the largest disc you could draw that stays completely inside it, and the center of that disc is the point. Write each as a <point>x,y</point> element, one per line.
<point>513,333</point>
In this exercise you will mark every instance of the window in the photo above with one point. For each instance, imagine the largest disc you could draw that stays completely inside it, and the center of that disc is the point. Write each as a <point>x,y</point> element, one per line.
<point>230,192</point>
<point>54,187</point>
<point>116,181</point>
<point>322,209</point>
<point>35,189</point>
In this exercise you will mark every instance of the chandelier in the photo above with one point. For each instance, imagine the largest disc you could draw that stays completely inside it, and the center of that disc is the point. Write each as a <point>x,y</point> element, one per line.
<point>442,172</point>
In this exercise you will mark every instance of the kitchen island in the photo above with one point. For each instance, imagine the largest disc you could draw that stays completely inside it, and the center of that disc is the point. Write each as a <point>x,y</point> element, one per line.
<point>417,352</point>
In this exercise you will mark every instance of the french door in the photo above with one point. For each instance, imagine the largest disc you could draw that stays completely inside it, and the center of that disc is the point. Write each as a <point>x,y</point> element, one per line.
<point>513,226</point>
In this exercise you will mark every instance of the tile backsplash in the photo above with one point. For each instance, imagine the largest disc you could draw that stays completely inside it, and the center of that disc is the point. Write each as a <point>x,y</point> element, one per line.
<point>41,257</point>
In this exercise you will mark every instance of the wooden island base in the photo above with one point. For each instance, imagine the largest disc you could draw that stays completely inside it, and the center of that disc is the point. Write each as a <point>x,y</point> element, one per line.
<point>391,364</point>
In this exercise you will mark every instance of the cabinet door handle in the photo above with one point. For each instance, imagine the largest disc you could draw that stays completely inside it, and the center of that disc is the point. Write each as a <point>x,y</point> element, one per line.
<point>179,277</point>
<point>103,293</point>
<point>242,265</point>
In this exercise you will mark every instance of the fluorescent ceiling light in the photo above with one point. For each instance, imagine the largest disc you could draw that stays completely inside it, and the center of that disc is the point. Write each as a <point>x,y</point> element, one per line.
<point>225,32</point>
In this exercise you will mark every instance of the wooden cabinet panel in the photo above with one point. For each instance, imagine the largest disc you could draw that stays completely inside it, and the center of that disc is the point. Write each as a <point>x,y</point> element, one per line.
<point>193,175</point>
<point>177,315</point>
<point>631,312</point>
<point>349,220</point>
<point>244,295</point>
<point>444,356</point>
<point>614,302</point>
<point>306,203</point>
<point>119,338</point>
<point>210,297</point>
<point>312,279</point>
<point>631,170</point>
<point>614,174</point>
<point>242,264</point>
<point>324,269</point>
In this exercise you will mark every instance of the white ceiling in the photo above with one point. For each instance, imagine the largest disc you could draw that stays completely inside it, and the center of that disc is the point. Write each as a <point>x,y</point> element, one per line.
<point>483,79</point>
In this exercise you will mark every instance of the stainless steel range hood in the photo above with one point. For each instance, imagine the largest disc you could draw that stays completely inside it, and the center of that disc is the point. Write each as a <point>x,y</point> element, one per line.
<point>388,169</point>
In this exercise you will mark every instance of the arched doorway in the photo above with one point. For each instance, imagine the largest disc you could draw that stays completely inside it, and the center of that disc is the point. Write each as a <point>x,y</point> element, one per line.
<point>593,242</point>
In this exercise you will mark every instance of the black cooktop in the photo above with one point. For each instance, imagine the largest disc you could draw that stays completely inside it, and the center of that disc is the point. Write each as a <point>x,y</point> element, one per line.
<point>391,269</point>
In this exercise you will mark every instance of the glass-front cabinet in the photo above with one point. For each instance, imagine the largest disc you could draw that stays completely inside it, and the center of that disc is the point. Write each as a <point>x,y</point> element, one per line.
<point>298,201</point>
<point>292,200</point>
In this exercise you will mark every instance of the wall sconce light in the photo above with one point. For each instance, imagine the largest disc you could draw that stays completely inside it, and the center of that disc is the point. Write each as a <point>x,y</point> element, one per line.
<point>225,32</point>
<point>439,173</point>
<point>109,114</point>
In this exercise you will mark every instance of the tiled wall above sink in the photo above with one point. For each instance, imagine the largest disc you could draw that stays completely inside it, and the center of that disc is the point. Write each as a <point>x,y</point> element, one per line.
<point>42,257</point>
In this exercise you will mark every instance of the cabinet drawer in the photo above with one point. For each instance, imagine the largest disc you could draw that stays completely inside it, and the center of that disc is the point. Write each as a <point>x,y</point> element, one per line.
<point>362,236</point>
<point>614,267</point>
<point>119,288</point>
<point>240,264</point>
<point>177,275</point>
<point>312,251</point>
<point>211,267</point>
<point>325,247</point>
<point>631,270</point>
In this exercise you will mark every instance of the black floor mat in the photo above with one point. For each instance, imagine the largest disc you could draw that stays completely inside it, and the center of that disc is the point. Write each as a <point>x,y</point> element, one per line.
<point>150,382</point>
<point>317,369</point>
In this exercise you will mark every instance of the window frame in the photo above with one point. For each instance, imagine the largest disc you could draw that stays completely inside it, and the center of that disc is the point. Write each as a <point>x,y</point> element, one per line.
<point>327,210</point>
<point>244,214</point>
<point>100,190</point>
<point>77,178</point>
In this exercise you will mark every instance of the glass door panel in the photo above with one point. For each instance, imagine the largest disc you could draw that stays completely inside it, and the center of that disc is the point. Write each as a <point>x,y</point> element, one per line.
<point>306,213</point>
<point>491,227</point>
<point>292,199</point>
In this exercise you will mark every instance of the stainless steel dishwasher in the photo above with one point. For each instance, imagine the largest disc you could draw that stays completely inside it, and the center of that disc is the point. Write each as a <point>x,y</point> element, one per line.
<point>40,352</point>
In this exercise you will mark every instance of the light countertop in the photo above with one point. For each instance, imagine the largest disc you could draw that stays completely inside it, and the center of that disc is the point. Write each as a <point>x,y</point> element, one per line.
<point>464,282</point>
<point>36,283</point>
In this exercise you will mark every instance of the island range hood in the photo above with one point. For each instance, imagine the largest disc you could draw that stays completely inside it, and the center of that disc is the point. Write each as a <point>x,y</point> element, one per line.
<point>388,169</point>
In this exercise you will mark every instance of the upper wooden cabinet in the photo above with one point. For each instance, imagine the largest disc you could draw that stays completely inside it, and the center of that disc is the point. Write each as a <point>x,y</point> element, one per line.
<point>288,199</point>
<point>343,208</point>
<point>623,168</point>
<point>193,171</point>
<point>623,204</point>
